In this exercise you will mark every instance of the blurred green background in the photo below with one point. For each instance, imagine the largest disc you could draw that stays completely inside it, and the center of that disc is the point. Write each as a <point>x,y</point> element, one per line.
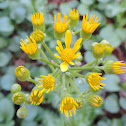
<point>15,23</point>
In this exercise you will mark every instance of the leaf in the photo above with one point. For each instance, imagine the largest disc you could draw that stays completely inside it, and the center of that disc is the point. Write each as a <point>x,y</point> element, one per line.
<point>112,83</point>
<point>112,57</point>
<point>88,2</point>
<point>73,4</point>
<point>7,81</point>
<point>6,110</point>
<point>87,43</point>
<point>4,4</point>
<point>3,42</point>
<point>116,122</point>
<point>108,33</point>
<point>122,102</point>
<point>111,104</point>
<point>64,8</point>
<point>88,56</point>
<point>4,58</point>
<point>6,27</point>
<point>10,123</point>
<point>83,9</point>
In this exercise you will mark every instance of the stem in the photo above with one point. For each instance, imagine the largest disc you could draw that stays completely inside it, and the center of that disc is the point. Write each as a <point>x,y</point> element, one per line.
<point>73,86</point>
<point>50,52</point>
<point>24,104</point>
<point>91,63</point>
<point>67,122</point>
<point>57,86</point>
<point>43,54</point>
<point>33,4</point>
<point>82,68</point>
<point>33,81</point>
<point>76,32</point>
<point>63,81</point>
<point>76,74</point>
<point>49,63</point>
<point>85,92</point>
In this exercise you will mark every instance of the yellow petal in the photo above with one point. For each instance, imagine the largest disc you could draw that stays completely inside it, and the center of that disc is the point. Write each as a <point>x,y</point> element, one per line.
<point>71,63</point>
<point>64,67</point>
<point>76,55</point>
<point>68,38</point>
<point>58,50</point>
<point>77,43</point>
<point>60,44</point>
<point>57,56</point>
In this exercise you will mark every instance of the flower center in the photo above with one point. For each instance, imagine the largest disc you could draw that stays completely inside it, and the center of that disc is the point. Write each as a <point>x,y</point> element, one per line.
<point>68,104</point>
<point>67,55</point>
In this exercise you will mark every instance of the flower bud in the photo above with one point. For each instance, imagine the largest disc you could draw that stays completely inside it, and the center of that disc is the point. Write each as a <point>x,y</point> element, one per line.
<point>85,35</point>
<point>22,73</point>
<point>108,49</point>
<point>35,55</point>
<point>59,35</point>
<point>28,99</point>
<point>98,50</point>
<point>80,102</point>
<point>15,88</point>
<point>79,58</point>
<point>18,98</point>
<point>22,113</point>
<point>94,100</point>
<point>92,45</point>
<point>38,36</point>
<point>74,18</point>
<point>104,42</point>
<point>111,67</point>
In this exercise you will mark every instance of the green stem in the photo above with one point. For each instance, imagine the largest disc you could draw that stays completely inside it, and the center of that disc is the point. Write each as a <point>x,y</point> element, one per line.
<point>33,81</point>
<point>50,52</point>
<point>43,54</point>
<point>85,92</point>
<point>57,86</point>
<point>49,62</point>
<point>76,32</point>
<point>73,73</point>
<point>33,4</point>
<point>24,104</point>
<point>91,63</point>
<point>82,68</point>
<point>73,86</point>
<point>63,81</point>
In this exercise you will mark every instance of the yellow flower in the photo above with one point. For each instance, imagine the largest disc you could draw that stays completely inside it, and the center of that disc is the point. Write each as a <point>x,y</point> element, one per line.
<point>36,97</point>
<point>98,50</point>
<point>94,100</point>
<point>48,83</point>
<point>74,15</point>
<point>108,49</point>
<point>29,48</point>
<point>37,19</point>
<point>67,104</point>
<point>60,27</point>
<point>18,98</point>
<point>37,36</point>
<point>117,67</point>
<point>22,73</point>
<point>67,54</point>
<point>94,81</point>
<point>89,27</point>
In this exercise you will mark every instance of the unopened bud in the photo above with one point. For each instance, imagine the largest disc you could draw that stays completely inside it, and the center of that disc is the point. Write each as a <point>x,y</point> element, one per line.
<point>22,113</point>
<point>15,88</point>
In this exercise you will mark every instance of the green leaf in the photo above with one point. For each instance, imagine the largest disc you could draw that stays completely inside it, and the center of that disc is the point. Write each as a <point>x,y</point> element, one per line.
<point>116,122</point>
<point>88,56</point>
<point>6,27</point>
<point>102,123</point>
<point>112,57</point>
<point>88,2</point>
<point>6,110</point>
<point>108,33</point>
<point>4,4</point>
<point>4,58</point>
<point>73,4</point>
<point>122,102</point>
<point>64,8</point>
<point>7,81</point>
<point>123,118</point>
<point>18,14</point>
<point>104,1</point>
<point>83,9</point>
<point>87,44</point>
<point>10,123</point>
<point>112,83</point>
<point>3,42</point>
<point>111,104</point>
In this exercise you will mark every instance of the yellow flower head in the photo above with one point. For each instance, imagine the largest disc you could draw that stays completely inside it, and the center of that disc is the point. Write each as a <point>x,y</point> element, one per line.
<point>117,67</point>
<point>37,19</point>
<point>60,27</point>
<point>98,50</point>
<point>89,27</point>
<point>48,83</point>
<point>18,98</point>
<point>67,54</point>
<point>94,80</point>
<point>94,100</point>
<point>108,49</point>
<point>74,15</point>
<point>37,36</point>
<point>30,48</point>
<point>22,73</point>
<point>67,104</point>
<point>36,97</point>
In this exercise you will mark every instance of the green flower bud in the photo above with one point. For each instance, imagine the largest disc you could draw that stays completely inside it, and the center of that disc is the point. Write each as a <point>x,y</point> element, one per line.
<point>80,102</point>
<point>22,73</point>
<point>15,88</point>
<point>94,100</point>
<point>79,58</point>
<point>35,55</point>
<point>18,98</point>
<point>58,35</point>
<point>22,113</point>
<point>108,49</point>
<point>92,45</point>
<point>104,42</point>
<point>85,35</point>
<point>98,50</point>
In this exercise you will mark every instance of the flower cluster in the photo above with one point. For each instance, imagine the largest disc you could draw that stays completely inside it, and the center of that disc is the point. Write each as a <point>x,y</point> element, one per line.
<point>62,65</point>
